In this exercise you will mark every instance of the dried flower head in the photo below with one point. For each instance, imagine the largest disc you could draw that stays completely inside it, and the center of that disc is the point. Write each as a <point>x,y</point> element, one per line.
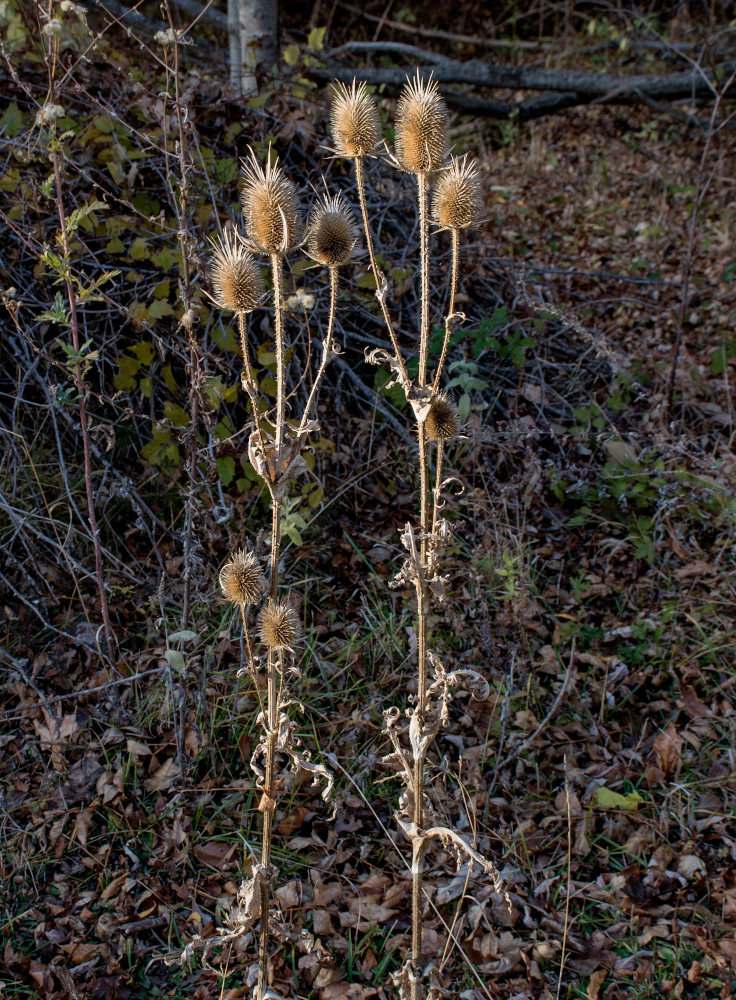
<point>279,625</point>
<point>52,28</point>
<point>441,421</point>
<point>270,207</point>
<point>236,278</point>
<point>331,235</point>
<point>48,113</point>
<point>241,580</point>
<point>457,197</point>
<point>421,126</point>
<point>354,120</point>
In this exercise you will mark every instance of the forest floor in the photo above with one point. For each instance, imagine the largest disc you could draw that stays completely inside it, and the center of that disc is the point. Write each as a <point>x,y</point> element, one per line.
<point>591,572</point>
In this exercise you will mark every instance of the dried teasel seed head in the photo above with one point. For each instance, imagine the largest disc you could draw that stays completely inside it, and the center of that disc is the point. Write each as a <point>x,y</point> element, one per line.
<point>354,120</point>
<point>241,580</point>
<point>441,423</point>
<point>236,278</point>
<point>279,625</point>
<point>457,197</point>
<point>421,126</point>
<point>270,206</point>
<point>331,234</point>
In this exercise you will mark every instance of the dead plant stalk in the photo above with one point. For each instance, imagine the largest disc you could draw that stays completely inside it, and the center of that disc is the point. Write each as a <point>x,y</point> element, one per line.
<point>51,53</point>
<point>421,149</point>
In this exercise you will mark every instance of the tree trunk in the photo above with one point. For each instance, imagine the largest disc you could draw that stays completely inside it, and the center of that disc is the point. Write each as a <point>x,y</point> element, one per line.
<point>253,34</point>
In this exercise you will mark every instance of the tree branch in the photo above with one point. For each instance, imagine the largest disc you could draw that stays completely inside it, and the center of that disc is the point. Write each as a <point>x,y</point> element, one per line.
<point>691,84</point>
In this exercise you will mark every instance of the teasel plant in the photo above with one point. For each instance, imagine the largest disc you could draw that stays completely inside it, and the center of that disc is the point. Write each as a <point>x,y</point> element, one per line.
<point>421,149</point>
<point>274,229</point>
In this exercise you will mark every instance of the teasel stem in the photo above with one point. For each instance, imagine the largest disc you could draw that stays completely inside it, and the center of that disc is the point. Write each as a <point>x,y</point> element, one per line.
<point>268,806</point>
<point>423,190</point>
<point>274,656</point>
<point>278,300</point>
<point>378,275</point>
<point>450,309</point>
<point>327,349</point>
<point>436,504</point>
<point>250,382</point>
<point>422,597</point>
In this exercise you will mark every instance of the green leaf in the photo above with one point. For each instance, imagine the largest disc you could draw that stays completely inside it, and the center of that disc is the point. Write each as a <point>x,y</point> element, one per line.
<point>176,660</point>
<point>80,214</point>
<point>165,258</point>
<point>185,635</point>
<point>162,450</point>
<point>226,170</point>
<point>607,799</point>
<point>58,312</point>
<point>139,249</point>
<point>124,380</point>
<point>226,469</point>
<point>143,351</point>
<point>316,39</point>
<point>12,121</point>
<point>291,55</point>
<point>176,414</point>
<point>160,308</point>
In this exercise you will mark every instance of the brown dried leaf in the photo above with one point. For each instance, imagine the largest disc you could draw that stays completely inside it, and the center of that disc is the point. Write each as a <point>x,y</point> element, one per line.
<point>667,747</point>
<point>597,979</point>
<point>215,853</point>
<point>162,777</point>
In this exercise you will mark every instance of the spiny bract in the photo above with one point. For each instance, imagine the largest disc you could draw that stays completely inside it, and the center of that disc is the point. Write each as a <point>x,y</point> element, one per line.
<point>457,197</point>
<point>354,120</point>
<point>236,278</point>
<point>441,421</point>
<point>278,624</point>
<point>421,126</point>
<point>270,207</point>
<point>241,580</point>
<point>331,235</point>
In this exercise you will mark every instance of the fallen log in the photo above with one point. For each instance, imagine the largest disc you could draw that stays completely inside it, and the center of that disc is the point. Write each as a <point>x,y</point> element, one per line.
<point>561,88</point>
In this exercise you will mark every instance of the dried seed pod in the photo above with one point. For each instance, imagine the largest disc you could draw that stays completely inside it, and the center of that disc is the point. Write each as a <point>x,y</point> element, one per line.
<point>278,624</point>
<point>457,197</point>
<point>241,580</point>
<point>354,120</point>
<point>441,423</point>
<point>331,235</point>
<point>270,207</point>
<point>421,126</point>
<point>236,278</point>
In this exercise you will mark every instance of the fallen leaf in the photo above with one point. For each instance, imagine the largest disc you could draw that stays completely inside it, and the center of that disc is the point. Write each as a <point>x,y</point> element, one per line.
<point>667,747</point>
<point>597,979</point>
<point>215,853</point>
<point>606,799</point>
<point>162,777</point>
<point>699,567</point>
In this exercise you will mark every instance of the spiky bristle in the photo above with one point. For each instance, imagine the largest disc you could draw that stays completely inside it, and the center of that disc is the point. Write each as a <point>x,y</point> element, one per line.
<point>354,120</point>
<point>241,580</point>
<point>236,279</point>
<point>331,234</point>
<point>421,126</point>
<point>270,207</point>
<point>441,422</point>
<point>457,197</point>
<point>278,624</point>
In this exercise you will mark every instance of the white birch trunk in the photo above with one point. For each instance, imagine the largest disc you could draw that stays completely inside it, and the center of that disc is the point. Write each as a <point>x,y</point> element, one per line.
<point>253,35</point>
